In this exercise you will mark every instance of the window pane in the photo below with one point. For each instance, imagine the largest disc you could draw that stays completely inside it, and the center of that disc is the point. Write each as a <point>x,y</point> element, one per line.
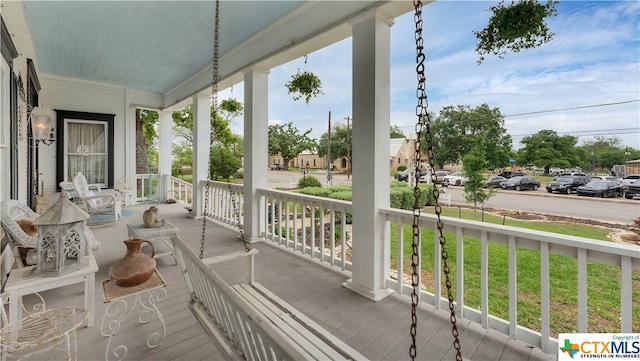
<point>86,151</point>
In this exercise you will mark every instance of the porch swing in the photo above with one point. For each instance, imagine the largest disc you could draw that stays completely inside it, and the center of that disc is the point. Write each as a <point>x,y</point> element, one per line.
<point>246,320</point>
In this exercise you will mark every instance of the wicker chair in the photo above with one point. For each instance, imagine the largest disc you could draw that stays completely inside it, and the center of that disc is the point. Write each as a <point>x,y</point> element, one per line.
<point>95,200</point>
<point>13,210</point>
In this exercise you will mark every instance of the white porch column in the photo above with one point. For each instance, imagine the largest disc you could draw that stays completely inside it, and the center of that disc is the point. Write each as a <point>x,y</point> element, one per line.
<point>371,113</point>
<point>256,147</point>
<point>201,139</point>
<point>165,135</point>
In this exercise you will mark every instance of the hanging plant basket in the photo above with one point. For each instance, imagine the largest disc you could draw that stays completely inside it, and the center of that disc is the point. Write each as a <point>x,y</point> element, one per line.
<point>519,25</point>
<point>304,85</point>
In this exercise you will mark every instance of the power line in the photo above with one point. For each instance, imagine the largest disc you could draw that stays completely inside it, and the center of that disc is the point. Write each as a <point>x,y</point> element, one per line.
<point>573,108</point>
<point>592,133</point>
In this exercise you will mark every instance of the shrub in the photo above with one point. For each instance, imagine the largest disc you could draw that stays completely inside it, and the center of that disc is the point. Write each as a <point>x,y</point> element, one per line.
<point>343,195</point>
<point>239,174</point>
<point>340,188</point>
<point>403,197</point>
<point>402,168</point>
<point>309,181</point>
<point>395,183</point>
<point>316,191</point>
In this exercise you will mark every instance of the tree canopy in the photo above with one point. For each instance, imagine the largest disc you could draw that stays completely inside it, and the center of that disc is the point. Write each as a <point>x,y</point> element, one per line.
<point>458,128</point>
<point>396,132</point>
<point>547,149</point>
<point>225,143</point>
<point>341,145</point>
<point>287,141</point>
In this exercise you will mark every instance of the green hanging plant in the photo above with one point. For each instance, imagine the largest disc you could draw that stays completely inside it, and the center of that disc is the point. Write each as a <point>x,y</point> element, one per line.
<point>519,25</point>
<point>304,84</point>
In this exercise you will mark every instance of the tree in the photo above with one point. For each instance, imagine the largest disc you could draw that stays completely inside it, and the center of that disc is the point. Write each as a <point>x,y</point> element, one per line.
<point>223,163</point>
<point>286,140</point>
<point>396,132</point>
<point>340,144</point>
<point>146,134</point>
<point>473,164</point>
<point>603,152</point>
<point>458,128</point>
<point>229,109</point>
<point>223,137</point>
<point>610,158</point>
<point>547,149</point>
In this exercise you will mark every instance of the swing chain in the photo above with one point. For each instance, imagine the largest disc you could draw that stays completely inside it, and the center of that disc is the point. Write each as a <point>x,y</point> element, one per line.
<point>424,125</point>
<point>214,105</point>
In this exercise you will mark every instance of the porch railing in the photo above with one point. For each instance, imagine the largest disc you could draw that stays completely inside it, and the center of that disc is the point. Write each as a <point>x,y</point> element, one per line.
<point>147,187</point>
<point>626,258</point>
<point>180,191</point>
<point>226,202</point>
<point>311,225</point>
<point>319,227</point>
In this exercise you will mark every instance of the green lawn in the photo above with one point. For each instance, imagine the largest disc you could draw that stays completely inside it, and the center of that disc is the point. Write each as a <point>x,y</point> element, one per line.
<point>603,280</point>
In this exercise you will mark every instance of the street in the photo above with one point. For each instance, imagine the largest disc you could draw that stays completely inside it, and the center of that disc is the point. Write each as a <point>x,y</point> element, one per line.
<point>609,210</point>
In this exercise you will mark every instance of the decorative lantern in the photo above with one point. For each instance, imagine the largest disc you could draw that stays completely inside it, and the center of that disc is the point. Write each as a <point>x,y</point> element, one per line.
<point>61,239</point>
<point>41,124</point>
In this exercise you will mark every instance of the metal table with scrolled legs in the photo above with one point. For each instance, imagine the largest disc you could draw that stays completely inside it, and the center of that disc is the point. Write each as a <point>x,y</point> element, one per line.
<point>119,308</point>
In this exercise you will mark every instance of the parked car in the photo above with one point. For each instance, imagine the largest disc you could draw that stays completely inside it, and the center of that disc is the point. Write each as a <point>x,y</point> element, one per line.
<point>277,166</point>
<point>632,190</point>
<point>426,177</point>
<point>403,176</point>
<point>495,181</point>
<point>608,178</point>
<point>567,183</point>
<point>630,178</point>
<point>440,175</point>
<point>600,188</point>
<point>457,178</point>
<point>510,174</point>
<point>520,183</point>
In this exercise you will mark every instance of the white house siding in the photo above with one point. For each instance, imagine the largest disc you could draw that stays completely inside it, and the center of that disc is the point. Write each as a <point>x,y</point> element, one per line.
<point>16,25</point>
<point>82,96</point>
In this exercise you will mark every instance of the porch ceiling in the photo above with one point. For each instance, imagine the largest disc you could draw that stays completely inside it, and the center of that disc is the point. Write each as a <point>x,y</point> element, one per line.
<point>165,47</point>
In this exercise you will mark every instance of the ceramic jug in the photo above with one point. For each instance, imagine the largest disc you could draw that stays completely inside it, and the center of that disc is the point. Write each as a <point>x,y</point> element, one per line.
<point>136,267</point>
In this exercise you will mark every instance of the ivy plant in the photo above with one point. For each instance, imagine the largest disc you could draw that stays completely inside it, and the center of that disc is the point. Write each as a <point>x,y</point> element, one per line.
<point>516,26</point>
<point>304,84</point>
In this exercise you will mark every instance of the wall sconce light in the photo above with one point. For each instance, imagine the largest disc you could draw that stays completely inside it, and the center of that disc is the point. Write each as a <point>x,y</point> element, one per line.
<point>42,124</point>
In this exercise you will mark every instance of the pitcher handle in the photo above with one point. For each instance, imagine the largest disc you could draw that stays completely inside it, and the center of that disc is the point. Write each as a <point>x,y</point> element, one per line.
<point>153,248</point>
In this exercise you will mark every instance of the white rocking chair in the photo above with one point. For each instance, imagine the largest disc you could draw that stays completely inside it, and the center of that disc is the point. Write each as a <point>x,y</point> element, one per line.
<point>95,200</point>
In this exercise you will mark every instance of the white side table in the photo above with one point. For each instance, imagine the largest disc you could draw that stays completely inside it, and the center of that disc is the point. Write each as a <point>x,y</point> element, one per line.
<point>123,300</point>
<point>22,282</point>
<point>159,236</point>
<point>126,196</point>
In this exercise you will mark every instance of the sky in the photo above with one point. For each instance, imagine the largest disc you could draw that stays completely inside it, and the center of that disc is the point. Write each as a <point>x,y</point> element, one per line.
<point>585,82</point>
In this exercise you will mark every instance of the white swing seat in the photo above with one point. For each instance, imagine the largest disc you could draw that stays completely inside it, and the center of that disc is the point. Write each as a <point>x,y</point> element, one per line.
<point>249,322</point>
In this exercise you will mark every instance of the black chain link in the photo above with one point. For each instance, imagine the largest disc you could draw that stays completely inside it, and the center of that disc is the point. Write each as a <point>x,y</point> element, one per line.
<point>214,105</point>
<point>424,121</point>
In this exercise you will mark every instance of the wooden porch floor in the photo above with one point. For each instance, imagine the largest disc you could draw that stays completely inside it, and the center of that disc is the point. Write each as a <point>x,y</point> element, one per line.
<point>380,331</point>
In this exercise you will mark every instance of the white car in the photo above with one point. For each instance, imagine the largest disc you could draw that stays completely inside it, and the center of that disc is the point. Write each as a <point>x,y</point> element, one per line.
<point>607,178</point>
<point>456,179</point>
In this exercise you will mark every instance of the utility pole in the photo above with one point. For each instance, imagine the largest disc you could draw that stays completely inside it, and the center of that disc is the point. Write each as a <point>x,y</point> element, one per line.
<point>329,152</point>
<point>348,148</point>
